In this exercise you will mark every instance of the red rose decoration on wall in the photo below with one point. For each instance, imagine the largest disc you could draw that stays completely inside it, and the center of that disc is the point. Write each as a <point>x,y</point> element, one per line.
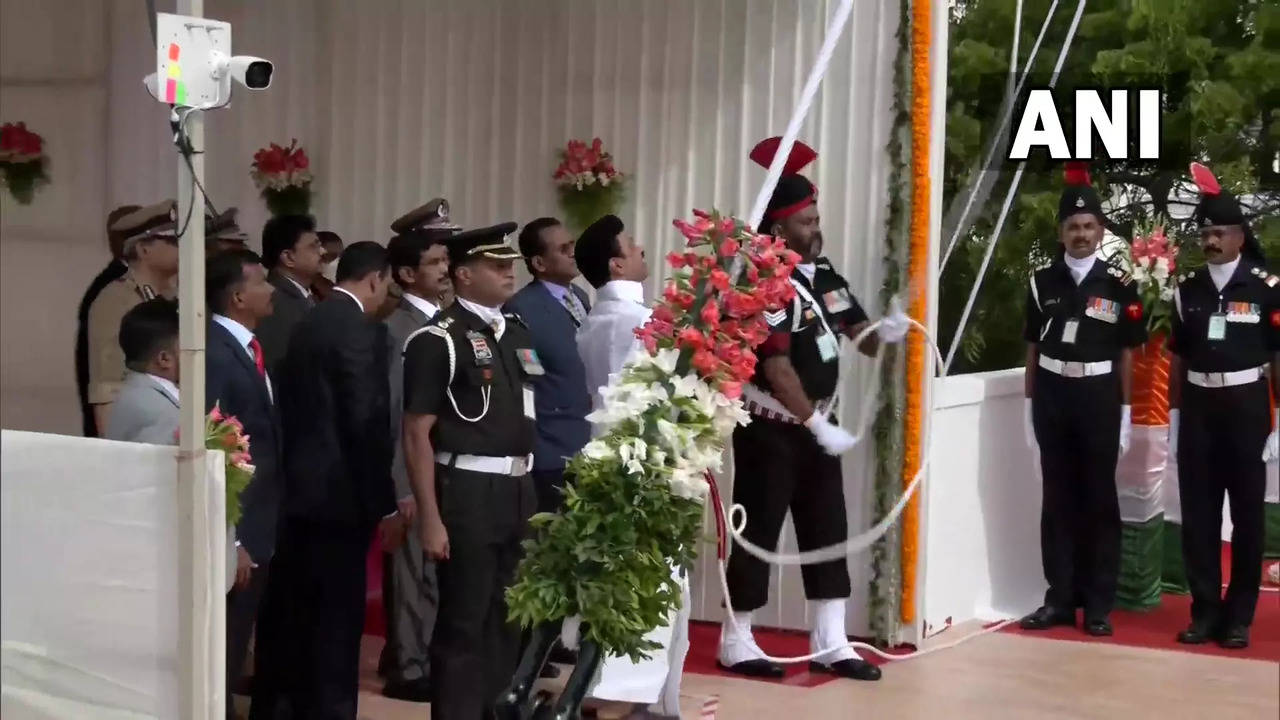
<point>23,164</point>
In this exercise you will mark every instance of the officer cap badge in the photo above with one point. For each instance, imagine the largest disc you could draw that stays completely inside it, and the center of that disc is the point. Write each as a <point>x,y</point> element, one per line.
<point>1079,202</point>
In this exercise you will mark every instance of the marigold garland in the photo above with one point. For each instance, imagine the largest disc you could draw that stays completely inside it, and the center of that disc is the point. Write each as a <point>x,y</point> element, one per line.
<point>917,283</point>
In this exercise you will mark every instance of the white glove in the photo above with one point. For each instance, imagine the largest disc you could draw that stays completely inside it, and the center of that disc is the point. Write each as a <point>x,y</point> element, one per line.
<point>894,326</point>
<point>1271,450</point>
<point>1126,427</point>
<point>1174,416</point>
<point>1028,427</point>
<point>833,438</point>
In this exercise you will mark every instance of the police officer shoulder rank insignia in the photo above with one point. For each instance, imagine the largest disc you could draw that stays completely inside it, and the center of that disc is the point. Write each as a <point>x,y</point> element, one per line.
<point>529,361</point>
<point>775,318</point>
<point>480,348</point>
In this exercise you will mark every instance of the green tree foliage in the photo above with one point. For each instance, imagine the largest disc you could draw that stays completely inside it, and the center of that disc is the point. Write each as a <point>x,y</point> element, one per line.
<point>1218,63</point>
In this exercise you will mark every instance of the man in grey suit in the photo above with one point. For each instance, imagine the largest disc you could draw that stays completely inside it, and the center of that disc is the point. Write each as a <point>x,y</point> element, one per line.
<point>292,253</point>
<point>420,266</point>
<point>146,410</point>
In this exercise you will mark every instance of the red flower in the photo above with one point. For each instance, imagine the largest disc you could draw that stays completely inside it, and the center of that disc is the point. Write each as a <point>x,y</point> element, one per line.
<point>711,314</point>
<point>685,300</point>
<point>719,280</point>
<point>705,362</point>
<point>663,313</point>
<point>731,389</point>
<point>729,247</point>
<point>743,305</point>
<point>692,338</point>
<point>675,260</point>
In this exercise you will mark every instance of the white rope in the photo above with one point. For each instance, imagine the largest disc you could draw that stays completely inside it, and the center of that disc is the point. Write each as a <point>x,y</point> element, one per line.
<point>1004,121</point>
<point>834,30</point>
<point>1008,201</point>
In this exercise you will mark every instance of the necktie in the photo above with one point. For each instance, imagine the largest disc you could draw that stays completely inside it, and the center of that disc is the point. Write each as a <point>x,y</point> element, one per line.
<point>255,347</point>
<point>575,308</point>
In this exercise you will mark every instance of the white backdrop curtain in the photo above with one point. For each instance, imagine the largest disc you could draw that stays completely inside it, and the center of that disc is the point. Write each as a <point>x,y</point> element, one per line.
<point>398,101</point>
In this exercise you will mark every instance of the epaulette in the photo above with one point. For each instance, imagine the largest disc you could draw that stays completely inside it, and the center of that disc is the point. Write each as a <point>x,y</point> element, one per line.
<point>1266,277</point>
<point>822,262</point>
<point>442,322</point>
<point>434,328</point>
<point>516,317</point>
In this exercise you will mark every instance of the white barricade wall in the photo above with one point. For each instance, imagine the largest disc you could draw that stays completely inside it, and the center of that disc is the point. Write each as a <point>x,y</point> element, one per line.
<point>89,576</point>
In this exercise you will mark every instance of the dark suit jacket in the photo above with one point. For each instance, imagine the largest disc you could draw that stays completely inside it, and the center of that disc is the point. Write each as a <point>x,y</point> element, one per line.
<point>232,381</point>
<point>334,402</point>
<point>560,396</point>
<point>289,306</point>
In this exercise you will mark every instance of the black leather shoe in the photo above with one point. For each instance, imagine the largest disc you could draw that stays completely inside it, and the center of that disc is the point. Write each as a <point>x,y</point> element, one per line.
<point>1098,627</point>
<point>1047,617</point>
<point>759,668</point>
<point>416,691</point>
<point>1198,633</point>
<point>1235,637</point>
<point>852,669</point>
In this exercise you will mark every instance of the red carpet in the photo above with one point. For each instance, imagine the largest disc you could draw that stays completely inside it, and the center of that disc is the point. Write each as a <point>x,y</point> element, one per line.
<point>1157,628</point>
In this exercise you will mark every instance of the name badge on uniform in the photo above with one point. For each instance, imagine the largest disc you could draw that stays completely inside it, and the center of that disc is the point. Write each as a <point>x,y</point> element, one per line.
<point>1102,309</point>
<point>1069,330</point>
<point>1217,326</point>
<point>528,403</point>
<point>1243,312</point>
<point>480,348</point>
<point>837,301</point>
<point>529,361</point>
<point>828,346</point>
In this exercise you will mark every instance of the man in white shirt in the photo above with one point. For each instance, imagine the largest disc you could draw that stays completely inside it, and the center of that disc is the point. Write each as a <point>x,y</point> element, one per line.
<point>146,410</point>
<point>614,264</point>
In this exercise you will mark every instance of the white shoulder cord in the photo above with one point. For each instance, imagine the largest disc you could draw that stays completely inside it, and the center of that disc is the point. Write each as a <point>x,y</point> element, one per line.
<point>485,392</point>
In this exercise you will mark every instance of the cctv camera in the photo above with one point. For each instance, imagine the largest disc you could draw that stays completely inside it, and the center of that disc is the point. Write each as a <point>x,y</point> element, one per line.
<point>251,72</point>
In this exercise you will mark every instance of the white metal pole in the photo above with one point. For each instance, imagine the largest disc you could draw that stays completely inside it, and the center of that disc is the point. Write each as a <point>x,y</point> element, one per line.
<point>198,644</point>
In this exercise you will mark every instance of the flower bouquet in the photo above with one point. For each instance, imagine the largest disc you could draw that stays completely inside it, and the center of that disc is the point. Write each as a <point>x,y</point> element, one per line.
<point>1152,260</point>
<point>590,187</point>
<point>635,506</point>
<point>22,161</point>
<point>225,433</point>
<point>283,177</point>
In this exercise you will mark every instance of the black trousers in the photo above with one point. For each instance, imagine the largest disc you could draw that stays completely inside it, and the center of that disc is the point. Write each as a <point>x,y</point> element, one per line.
<point>242,613</point>
<point>474,649</point>
<point>1220,439</point>
<point>778,467</point>
<point>549,485</point>
<point>308,643</point>
<point>1077,426</point>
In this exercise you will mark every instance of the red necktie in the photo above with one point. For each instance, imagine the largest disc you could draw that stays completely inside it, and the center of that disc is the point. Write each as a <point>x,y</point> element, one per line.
<point>256,348</point>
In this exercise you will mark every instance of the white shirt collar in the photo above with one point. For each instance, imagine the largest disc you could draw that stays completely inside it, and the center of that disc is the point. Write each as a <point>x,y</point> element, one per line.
<point>427,307</point>
<point>1221,274</point>
<point>349,294</point>
<point>808,270</point>
<point>166,385</point>
<point>1079,267</point>
<point>490,316</point>
<point>624,290</point>
<point>241,333</point>
<point>306,292</point>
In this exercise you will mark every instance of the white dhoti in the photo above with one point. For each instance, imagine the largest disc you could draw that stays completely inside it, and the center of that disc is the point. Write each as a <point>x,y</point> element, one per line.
<point>655,681</point>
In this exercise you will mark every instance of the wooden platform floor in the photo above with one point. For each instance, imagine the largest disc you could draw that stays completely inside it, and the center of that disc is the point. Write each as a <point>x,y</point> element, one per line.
<point>990,677</point>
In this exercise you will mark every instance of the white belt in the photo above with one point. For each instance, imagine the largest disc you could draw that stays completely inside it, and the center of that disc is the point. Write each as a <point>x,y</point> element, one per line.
<point>762,404</point>
<point>513,466</point>
<point>1224,379</point>
<point>1075,369</point>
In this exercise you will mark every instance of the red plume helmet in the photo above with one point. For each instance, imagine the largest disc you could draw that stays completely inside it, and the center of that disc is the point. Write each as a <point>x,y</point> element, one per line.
<point>800,157</point>
<point>1076,173</point>
<point>1205,180</point>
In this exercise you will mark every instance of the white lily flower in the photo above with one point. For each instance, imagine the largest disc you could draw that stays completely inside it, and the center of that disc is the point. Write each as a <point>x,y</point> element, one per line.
<point>666,359</point>
<point>597,450</point>
<point>686,386</point>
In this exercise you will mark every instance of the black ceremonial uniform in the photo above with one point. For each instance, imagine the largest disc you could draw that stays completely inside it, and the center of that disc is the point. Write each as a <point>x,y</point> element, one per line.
<point>483,439</point>
<point>778,463</point>
<point>1224,340</point>
<point>1079,332</point>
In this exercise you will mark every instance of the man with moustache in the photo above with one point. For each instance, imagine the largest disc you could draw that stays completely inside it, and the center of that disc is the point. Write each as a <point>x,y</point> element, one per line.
<point>419,256</point>
<point>1226,332</point>
<point>787,458</point>
<point>114,270</point>
<point>291,251</point>
<point>1083,319</point>
<point>468,439</point>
